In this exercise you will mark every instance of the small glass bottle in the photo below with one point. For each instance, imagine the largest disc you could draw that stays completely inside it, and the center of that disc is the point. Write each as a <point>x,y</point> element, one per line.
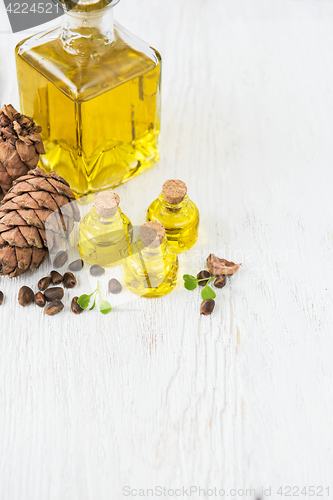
<point>94,88</point>
<point>177,213</point>
<point>152,268</point>
<point>105,233</point>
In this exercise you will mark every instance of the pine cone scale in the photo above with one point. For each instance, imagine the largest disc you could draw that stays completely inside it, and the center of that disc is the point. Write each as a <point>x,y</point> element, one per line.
<point>31,218</point>
<point>31,236</point>
<point>13,219</point>
<point>67,208</point>
<point>10,111</point>
<point>44,200</point>
<point>23,257</point>
<point>63,189</point>
<point>42,234</point>
<point>44,215</point>
<point>41,183</point>
<point>14,237</point>
<point>38,256</point>
<point>26,201</point>
<point>10,157</point>
<point>3,228</point>
<point>22,178</point>
<point>26,187</point>
<point>10,205</point>
<point>26,153</point>
<point>8,260</point>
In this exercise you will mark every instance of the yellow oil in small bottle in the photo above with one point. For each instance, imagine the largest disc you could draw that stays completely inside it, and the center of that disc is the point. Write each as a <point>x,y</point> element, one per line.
<point>95,90</point>
<point>105,233</point>
<point>151,270</point>
<point>177,213</point>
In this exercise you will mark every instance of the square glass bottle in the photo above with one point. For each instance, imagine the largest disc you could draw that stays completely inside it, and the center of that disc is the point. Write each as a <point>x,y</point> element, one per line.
<point>94,88</point>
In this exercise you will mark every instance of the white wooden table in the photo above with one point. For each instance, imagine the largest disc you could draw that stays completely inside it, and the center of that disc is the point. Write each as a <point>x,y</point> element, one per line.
<point>154,394</point>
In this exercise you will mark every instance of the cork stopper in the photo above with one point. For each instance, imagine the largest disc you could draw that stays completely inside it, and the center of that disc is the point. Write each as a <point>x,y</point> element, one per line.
<point>152,234</point>
<point>106,204</point>
<point>174,191</point>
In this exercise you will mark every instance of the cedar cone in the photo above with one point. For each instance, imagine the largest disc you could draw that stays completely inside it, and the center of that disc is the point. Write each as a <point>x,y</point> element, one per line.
<point>20,146</point>
<point>27,232</point>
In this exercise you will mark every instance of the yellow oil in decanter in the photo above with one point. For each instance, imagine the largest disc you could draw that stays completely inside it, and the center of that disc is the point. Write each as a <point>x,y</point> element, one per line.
<point>151,270</point>
<point>105,233</point>
<point>99,111</point>
<point>177,213</point>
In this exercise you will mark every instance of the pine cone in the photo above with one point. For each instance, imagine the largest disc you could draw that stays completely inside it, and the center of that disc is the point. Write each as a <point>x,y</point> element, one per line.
<point>20,146</point>
<point>35,214</point>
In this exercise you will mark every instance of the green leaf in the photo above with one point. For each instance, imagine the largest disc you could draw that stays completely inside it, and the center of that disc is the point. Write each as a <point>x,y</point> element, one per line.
<point>105,307</point>
<point>93,306</point>
<point>83,301</point>
<point>208,293</point>
<point>190,284</point>
<point>189,277</point>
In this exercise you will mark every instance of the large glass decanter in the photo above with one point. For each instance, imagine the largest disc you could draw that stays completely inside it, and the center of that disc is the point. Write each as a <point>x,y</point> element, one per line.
<point>94,89</point>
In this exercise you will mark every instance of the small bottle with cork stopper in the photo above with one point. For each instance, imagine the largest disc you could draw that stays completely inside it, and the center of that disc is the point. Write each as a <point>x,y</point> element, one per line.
<point>105,233</point>
<point>177,213</point>
<point>152,268</point>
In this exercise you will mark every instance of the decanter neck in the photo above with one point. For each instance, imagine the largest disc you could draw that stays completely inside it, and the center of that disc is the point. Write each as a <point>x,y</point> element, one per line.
<point>168,207</point>
<point>87,33</point>
<point>113,221</point>
<point>153,252</point>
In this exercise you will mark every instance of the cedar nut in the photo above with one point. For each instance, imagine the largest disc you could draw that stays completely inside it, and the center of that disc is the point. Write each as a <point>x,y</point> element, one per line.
<point>25,296</point>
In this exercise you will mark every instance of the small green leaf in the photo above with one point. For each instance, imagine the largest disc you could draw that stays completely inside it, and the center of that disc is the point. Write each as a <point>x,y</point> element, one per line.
<point>190,284</point>
<point>93,306</point>
<point>189,277</point>
<point>83,301</point>
<point>105,307</point>
<point>208,293</point>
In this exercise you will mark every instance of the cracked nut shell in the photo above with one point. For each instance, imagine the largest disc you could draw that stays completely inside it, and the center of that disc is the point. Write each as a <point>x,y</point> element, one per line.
<point>221,266</point>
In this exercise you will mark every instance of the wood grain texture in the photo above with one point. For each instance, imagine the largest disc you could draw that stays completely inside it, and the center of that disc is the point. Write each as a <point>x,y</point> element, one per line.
<point>153,394</point>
